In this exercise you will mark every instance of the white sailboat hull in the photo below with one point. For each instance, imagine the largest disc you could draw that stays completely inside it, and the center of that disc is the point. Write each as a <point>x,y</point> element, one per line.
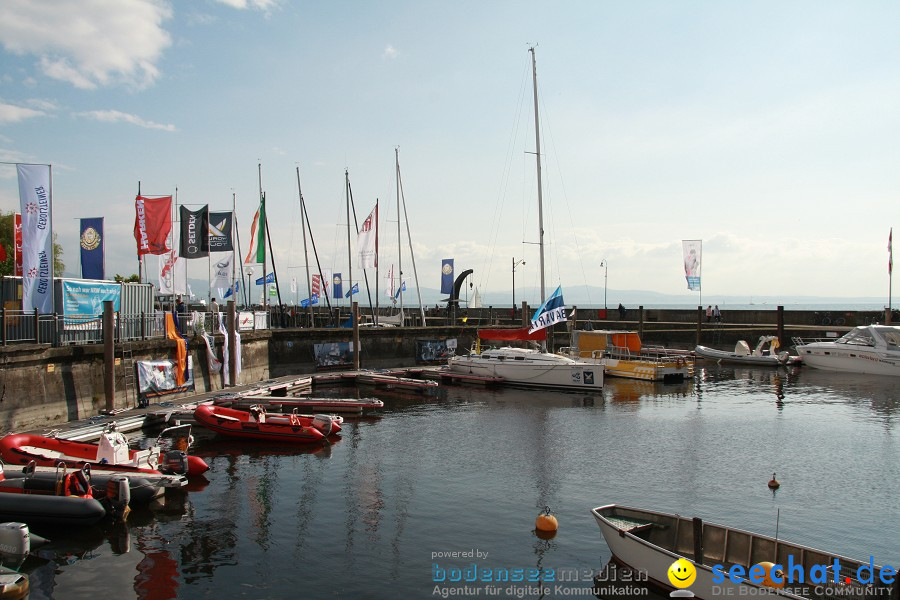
<point>529,368</point>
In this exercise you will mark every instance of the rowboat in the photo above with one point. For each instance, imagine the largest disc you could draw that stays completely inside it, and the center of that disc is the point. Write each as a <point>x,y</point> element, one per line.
<point>259,425</point>
<point>111,452</point>
<point>651,542</point>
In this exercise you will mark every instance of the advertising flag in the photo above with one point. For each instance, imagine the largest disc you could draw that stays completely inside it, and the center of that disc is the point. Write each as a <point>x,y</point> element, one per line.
<point>233,290</point>
<point>194,232</point>
<point>92,249</point>
<point>692,262</point>
<point>221,271</point>
<point>400,289</point>
<point>367,241</point>
<point>353,290</point>
<point>447,276</point>
<point>17,251</point>
<point>257,251</point>
<point>35,196</point>
<point>220,232</point>
<point>550,312</point>
<point>172,272</point>
<point>316,284</point>
<point>313,300</point>
<point>293,285</point>
<point>270,278</point>
<point>152,224</point>
<point>337,285</point>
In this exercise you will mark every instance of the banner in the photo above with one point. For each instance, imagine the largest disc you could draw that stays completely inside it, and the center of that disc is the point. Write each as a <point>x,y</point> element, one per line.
<point>84,299</point>
<point>389,283</point>
<point>550,312</point>
<point>194,232</point>
<point>152,224</point>
<point>92,249</point>
<point>212,362</point>
<point>233,290</point>
<point>221,271</point>
<point>400,290</point>
<point>337,285</point>
<point>35,196</point>
<point>293,285</point>
<point>157,378</point>
<point>891,251</point>
<point>447,276</point>
<point>307,301</point>
<point>326,283</point>
<point>270,278</point>
<point>316,284</point>
<point>692,262</point>
<point>220,232</point>
<point>257,251</point>
<point>367,241</point>
<point>353,290</point>
<point>172,274</point>
<point>18,244</point>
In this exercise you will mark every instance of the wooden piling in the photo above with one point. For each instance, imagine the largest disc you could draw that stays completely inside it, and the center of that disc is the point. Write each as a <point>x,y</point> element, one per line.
<point>698,540</point>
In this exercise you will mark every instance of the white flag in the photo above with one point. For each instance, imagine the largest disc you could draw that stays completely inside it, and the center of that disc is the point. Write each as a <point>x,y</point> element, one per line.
<point>367,240</point>
<point>692,251</point>
<point>389,283</point>
<point>221,263</point>
<point>172,271</point>
<point>35,197</point>
<point>293,285</point>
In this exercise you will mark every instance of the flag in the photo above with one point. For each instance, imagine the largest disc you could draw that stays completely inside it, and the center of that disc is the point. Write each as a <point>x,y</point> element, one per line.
<point>2,253</point>
<point>257,252</point>
<point>222,270</point>
<point>270,278</point>
<point>692,250</point>
<point>326,283</point>
<point>92,250</point>
<point>35,197</point>
<point>152,224</point>
<point>293,285</point>
<point>233,290</point>
<point>389,283</point>
<point>316,284</point>
<point>402,288</point>
<point>447,276</point>
<point>550,312</point>
<point>367,240</point>
<point>353,290</point>
<point>194,232</point>
<point>17,251</point>
<point>220,238</point>
<point>890,251</point>
<point>314,299</point>
<point>172,273</point>
<point>337,285</point>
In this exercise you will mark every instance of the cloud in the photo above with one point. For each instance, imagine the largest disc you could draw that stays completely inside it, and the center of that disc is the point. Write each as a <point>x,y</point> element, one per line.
<point>263,5</point>
<point>390,52</point>
<point>10,113</point>
<point>90,43</point>
<point>115,116</point>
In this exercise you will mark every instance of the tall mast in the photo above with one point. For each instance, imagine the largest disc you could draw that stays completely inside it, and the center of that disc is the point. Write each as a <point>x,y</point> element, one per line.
<point>262,200</point>
<point>399,239</point>
<point>349,253</point>
<point>537,143</point>
<point>411,253</point>
<point>305,251</point>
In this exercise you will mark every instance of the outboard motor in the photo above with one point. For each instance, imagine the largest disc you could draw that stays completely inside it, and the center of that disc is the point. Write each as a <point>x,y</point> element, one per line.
<point>118,495</point>
<point>323,423</point>
<point>174,462</point>
<point>15,543</point>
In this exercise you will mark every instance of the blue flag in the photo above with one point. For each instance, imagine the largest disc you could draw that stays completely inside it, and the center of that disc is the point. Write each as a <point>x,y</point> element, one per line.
<point>337,283</point>
<point>270,278</point>
<point>91,242</point>
<point>550,312</point>
<point>314,299</point>
<point>447,276</point>
<point>402,288</point>
<point>233,290</point>
<point>353,290</point>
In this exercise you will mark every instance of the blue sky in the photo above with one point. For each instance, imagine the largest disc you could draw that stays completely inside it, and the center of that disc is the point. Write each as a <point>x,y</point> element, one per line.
<point>767,129</point>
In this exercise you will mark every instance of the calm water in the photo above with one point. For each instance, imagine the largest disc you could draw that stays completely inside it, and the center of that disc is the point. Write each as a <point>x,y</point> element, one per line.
<point>468,469</point>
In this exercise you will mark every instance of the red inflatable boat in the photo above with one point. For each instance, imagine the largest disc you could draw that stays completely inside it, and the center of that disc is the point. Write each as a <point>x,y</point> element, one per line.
<point>258,425</point>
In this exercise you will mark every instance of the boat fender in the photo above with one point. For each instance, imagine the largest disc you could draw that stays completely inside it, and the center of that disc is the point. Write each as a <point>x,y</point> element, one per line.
<point>118,496</point>
<point>15,543</point>
<point>175,462</point>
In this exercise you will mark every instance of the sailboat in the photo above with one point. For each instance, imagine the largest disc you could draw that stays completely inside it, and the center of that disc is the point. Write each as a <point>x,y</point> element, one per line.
<point>526,366</point>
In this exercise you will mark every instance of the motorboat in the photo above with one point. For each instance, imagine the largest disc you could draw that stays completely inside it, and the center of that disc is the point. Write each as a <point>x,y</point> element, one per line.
<point>651,542</point>
<point>68,501</point>
<point>623,355</point>
<point>112,452</point>
<point>258,425</point>
<point>526,367</point>
<point>765,353</point>
<point>871,349</point>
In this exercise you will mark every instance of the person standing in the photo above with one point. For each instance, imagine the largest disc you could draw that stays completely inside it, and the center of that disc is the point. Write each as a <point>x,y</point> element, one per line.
<point>621,312</point>
<point>717,314</point>
<point>709,313</point>
<point>213,306</point>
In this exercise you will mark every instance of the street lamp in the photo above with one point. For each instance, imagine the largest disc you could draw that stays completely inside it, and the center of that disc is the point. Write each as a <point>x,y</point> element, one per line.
<point>515,263</point>
<point>605,265</point>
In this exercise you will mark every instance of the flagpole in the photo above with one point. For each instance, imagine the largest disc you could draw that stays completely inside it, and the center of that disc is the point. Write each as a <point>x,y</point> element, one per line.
<point>412,255</point>
<point>890,272</point>
<point>305,251</point>
<point>262,199</point>
<point>274,272</point>
<point>312,241</point>
<point>399,238</point>
<point>140,258</point>
<point>349,253</point>
<point>356,226</point>
<point>377,275</point>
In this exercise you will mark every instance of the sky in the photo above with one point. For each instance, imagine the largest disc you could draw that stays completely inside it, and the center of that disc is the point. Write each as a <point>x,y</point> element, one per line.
<point>768,129</point>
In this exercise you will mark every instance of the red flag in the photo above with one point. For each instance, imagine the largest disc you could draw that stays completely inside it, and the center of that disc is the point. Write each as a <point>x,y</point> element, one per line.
<point>2,253</point>
<point>152,224</point>
<point>890,251</point>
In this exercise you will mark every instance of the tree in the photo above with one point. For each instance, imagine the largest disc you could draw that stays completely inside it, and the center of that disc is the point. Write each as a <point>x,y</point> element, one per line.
<point>7,238</point>
<point>133,278</point>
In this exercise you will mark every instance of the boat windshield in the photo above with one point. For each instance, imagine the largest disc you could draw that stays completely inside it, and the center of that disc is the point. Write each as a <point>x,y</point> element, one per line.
<point>858,337</point>
<point>891,335</point>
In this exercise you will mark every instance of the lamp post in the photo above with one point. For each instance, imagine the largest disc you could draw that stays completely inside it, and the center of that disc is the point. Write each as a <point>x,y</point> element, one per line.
<point>515,263</point>
<point>605,265</point>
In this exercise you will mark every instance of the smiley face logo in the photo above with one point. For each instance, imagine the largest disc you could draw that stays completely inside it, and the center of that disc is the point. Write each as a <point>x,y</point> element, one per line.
<point>682,573</point>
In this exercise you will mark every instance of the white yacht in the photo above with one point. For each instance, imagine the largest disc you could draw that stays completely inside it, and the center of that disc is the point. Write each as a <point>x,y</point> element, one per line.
<point>872,349</point>
<point>531,368</point>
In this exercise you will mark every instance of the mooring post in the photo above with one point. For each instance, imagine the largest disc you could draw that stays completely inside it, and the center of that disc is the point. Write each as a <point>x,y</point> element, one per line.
<point>524,313</point>
<point>231,327</point>
<point>37,327</point>
<point>356,347</point>
<point>641,322</point>
<point>109,362</point>
<point>699,324</point>
<point>3,309</point>
<point>780,325</point>
<point>698,540</point>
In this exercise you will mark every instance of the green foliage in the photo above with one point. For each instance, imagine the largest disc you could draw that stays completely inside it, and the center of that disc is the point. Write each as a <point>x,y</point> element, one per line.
<point>133,278</point>
<point>7,238</point>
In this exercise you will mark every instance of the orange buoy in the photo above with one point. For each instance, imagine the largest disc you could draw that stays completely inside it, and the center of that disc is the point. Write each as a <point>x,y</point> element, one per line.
<point>767,580</point>
<point>773,483</point>
<point>545,521</point>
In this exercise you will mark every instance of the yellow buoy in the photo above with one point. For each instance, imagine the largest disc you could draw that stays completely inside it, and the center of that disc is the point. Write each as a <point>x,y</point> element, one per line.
<point>768,581</point>
<point>546,522</point>
<point>773,483</point>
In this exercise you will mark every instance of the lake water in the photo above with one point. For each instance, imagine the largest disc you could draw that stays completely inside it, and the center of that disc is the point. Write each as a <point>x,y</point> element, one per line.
<point>380,513</point>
